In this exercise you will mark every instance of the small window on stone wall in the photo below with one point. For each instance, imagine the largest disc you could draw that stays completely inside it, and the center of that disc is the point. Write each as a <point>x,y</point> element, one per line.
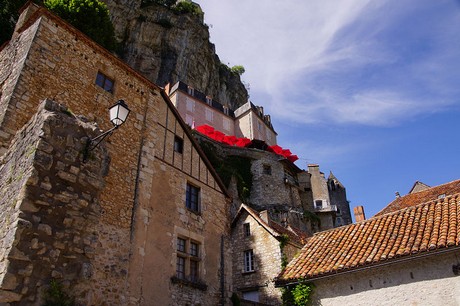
<point>267,169</point>
<point>247,229</point>
<point>178,144</point>
<point>104,82</point>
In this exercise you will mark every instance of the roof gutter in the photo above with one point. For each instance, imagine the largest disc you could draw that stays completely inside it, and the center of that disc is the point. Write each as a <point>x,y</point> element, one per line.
<point>279,283</point>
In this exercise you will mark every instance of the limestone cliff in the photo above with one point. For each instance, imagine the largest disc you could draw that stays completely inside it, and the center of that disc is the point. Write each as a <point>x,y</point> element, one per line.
<point>167,47</point>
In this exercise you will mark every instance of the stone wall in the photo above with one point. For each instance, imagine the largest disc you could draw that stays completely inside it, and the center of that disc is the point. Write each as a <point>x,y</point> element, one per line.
<point>50,208</point>
<point>406,283</point>
<point>143,199</point>
<point>267,260</point>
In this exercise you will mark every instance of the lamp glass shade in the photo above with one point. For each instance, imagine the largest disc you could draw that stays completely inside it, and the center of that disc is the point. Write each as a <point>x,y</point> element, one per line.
<point>119,112</point>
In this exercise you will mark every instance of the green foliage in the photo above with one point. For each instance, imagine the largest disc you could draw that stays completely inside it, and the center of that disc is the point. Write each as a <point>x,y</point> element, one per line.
<point>167,3</point>
<point>55,295</point>
<point>299,295</point>
<point>9,13</point>
<point>283,239</point>
<point>235,299</point>
<point>237,166</point>
<point>186,6</point>
<point>238,69</point>
<point>89,16</point>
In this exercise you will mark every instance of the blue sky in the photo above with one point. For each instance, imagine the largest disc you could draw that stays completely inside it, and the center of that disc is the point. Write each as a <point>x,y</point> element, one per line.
<point>367,89</point>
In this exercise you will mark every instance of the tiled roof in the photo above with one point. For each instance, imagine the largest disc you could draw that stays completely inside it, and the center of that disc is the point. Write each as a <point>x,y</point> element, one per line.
<point>295,235</point>
<point>422,196</point>
<point>424,229</point>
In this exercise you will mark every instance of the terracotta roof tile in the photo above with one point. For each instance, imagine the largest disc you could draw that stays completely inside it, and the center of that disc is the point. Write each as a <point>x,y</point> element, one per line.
<point>425,228</point>
<point>294,234</point>
<point>428,194</point>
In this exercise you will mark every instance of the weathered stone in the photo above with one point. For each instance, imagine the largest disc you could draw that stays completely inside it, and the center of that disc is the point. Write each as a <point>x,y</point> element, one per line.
<point>9,296</point>
<point>10,281</point>
<point>67,176</point>
<point>45,228</point>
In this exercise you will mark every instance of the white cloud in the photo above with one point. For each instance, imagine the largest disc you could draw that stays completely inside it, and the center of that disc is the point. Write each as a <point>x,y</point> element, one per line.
<point>341,61</point>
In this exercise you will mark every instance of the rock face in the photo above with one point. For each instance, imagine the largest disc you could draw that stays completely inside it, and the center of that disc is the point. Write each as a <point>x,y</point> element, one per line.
<point>167,47</point>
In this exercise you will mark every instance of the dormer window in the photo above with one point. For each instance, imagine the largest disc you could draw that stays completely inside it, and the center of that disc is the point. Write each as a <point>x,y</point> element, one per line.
<point>190,90</point>
<point>209,100</point>
<point>226,110</point>
<point>442,196</point>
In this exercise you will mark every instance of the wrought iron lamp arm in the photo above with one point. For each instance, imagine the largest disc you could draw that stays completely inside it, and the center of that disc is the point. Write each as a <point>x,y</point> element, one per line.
<point>89,147</point>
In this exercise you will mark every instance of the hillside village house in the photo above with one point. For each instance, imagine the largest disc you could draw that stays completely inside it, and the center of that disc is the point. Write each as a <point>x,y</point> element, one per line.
<point>199,109</point>
<point>408,254</point>
<point>159,221</point>
<point>260,247</point>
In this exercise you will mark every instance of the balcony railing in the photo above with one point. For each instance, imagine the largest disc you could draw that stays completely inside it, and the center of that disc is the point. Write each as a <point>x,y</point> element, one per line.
<point>326,208</point>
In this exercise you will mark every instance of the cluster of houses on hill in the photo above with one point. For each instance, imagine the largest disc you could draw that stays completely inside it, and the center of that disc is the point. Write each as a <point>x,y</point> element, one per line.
<point>161,214</point>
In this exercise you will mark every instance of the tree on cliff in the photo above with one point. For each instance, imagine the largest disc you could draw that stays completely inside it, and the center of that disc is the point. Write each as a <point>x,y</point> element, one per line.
<point>8,16</point>
<point>89,16</point>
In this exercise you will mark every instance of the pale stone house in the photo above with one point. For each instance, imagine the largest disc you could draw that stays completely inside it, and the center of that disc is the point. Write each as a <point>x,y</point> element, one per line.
<point>199,109</point>
<point>158,213</point>
<point>406,255</point>
<point>260,246</point>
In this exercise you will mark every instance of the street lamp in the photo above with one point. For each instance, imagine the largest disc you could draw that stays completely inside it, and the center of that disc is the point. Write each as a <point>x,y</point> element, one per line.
<point>118,114</point>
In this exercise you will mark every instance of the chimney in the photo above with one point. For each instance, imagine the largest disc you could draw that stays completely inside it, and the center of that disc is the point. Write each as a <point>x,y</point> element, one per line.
<point>168,88</point>
<point>264,215</point>
<point>25,12</point>
<point>359,213</point>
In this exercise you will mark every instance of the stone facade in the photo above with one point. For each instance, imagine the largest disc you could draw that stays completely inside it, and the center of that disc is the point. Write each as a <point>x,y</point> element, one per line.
<point>251,232</point>
<point>329,199</point>
<point>142,203</point>
<point>423,281</point>
<point>49,208</point>
<point>246,121</point>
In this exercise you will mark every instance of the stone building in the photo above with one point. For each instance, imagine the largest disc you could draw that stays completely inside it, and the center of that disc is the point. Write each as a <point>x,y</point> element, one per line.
<point>196,108</point>
<point>145,221</point>
<point>329,199</point>
<point>260,247</point>
<point>406,255</point>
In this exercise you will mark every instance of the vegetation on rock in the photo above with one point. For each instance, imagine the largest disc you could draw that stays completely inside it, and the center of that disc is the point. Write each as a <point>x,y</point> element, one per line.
<point>298,295</point>
<point>9,13</point>
<point>56,296</point>
<point>89,16</point>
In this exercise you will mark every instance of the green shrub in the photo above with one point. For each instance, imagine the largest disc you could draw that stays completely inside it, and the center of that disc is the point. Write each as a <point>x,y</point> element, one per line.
<point>238,69</point>
<point>298,295</point>
<point>185,6</point>
<point>89,16</point>
<point>55,295</point>
<point>9,13</point>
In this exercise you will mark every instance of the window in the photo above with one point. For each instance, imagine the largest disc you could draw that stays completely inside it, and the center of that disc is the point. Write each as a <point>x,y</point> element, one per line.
<point>180,267</point>
<point>190,105</point>
<point>190,90</point>
<point>192,198</point>
<point>267,169</point>
<point>319,203</point>
<point>188,259</point>
<point>104,82</point>
<point>248,261</point>
<point>226,124</point>
<point>194,270</point>
<point>209,100</point>
<point>189,119</point>
<point>209,115</point>
<point>247,229</point>
<point>194,249</point>
<point>259,126</point>
<point>181,245</point>
<point>178,144</point>
<point>226,110</point>
<point>252,296</point>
